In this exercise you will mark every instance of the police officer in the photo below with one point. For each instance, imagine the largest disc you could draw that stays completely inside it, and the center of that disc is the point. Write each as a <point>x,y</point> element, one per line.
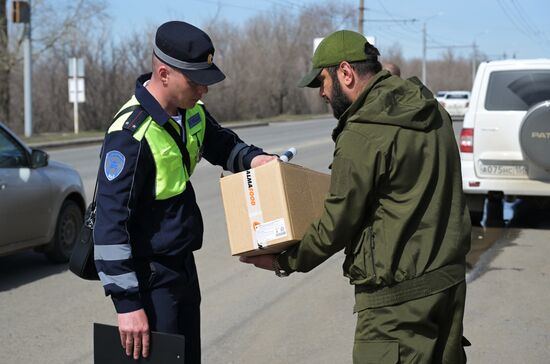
<point>148,223</point>
<point>395,207</point>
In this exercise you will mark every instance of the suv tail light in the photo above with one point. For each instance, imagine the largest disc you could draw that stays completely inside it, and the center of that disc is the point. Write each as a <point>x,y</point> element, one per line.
<point>467,140</point>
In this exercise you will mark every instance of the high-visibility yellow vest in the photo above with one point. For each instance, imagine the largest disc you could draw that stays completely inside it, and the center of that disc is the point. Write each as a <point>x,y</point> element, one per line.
<point>171,174</point>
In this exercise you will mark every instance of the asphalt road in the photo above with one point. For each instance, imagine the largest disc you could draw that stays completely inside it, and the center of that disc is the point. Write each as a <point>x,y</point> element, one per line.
<point>248,315</point>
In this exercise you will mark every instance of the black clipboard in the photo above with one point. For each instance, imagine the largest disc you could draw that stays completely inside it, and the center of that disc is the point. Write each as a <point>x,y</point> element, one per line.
<point>165,348</point>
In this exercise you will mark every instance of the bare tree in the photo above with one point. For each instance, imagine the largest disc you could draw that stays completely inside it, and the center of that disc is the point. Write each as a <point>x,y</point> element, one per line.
<point>265,58</point>
<point>51,29</point>
<point>4,64</point>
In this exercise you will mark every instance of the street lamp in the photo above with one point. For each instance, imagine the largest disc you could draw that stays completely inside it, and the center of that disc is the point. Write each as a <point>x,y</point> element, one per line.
<point>425,46</point>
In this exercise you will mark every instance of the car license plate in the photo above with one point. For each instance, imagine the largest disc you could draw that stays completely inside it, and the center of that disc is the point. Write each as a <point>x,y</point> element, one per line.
<point>508,170</point>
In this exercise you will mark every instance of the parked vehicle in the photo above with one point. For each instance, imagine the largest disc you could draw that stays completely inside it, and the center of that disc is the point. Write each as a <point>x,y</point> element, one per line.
<point>455,102</point>
<point>41,201</point>
<point>440,95</point>
<point>505,140</point>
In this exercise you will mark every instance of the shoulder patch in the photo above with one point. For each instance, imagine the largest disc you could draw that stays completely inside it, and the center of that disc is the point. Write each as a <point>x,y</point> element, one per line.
<point>114,163</point>
<point>135,119</point>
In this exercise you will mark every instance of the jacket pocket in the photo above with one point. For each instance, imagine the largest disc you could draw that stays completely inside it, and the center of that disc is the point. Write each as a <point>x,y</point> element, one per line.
<point>375,352</point>
<point>360,260</point>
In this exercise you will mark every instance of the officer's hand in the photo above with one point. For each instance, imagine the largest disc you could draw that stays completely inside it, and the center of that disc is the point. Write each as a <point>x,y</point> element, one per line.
<point>134,333</point>
<point>261,159</point>
<point>260,261</point>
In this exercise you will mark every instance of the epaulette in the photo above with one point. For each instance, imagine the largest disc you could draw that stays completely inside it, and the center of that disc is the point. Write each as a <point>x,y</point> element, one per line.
<point>136,118</point>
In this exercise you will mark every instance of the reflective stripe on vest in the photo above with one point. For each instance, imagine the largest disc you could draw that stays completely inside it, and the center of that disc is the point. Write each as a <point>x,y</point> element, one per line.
<point>171,175</point>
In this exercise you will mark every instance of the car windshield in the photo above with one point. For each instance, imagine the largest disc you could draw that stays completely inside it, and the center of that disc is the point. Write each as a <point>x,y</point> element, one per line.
<point>11,155</point>
<point>517,90</point>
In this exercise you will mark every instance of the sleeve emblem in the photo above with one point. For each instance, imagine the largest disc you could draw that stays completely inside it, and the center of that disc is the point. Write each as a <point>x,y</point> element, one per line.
<point>114,163</point>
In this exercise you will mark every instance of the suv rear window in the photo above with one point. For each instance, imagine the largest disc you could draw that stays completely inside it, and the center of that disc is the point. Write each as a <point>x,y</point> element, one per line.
<point>517,90</point>
<point>457,96</point>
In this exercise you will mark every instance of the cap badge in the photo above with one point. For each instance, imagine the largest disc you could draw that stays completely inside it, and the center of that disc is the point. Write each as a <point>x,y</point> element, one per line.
<point>210,58</point>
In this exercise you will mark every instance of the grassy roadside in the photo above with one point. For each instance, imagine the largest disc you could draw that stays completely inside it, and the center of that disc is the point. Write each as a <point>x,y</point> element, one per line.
<point>68,136</point>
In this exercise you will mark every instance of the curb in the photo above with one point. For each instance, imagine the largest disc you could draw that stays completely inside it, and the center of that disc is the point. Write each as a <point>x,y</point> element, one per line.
<point>98,140</point>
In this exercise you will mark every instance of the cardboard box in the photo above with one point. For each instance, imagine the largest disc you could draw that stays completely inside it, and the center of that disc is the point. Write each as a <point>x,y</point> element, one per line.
<point>269,208</point>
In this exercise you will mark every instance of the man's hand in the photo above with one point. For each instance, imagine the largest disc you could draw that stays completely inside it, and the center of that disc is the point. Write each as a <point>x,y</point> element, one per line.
<point>261,159</point>
<point>134,333</point>
<point>260,261</point>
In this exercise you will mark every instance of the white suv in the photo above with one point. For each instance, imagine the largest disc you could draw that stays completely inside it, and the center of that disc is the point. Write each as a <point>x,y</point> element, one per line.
<point>505,140</point>
<point>455,102</point>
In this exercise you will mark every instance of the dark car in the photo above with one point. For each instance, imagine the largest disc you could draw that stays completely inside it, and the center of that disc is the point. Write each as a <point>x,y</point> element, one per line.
<point>42,202</point>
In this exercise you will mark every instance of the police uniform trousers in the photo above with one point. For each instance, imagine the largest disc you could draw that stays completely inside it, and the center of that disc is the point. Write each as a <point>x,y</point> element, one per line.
<point>424,330</point>
<point>174,307</point>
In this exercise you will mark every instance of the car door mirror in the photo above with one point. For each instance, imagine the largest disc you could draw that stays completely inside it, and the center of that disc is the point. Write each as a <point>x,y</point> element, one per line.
<point>39,158</point>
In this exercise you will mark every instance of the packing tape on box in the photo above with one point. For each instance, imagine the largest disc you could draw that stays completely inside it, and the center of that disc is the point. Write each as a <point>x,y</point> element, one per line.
<point>253,205</point>
<point>262,232</point>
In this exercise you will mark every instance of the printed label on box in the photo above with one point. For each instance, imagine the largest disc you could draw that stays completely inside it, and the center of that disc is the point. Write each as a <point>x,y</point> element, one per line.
<point>255,215</point>
<point>270,230</point>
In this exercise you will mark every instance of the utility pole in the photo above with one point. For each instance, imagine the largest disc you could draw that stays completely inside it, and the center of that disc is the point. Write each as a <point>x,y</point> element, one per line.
<point>27,74</point>
<point>4,65</point>
<point>21,13</point>
<point>424,47</point>
<point>361,15</point>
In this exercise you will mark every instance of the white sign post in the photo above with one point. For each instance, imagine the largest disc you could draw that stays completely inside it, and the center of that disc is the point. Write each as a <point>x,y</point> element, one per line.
<point>76,87</point>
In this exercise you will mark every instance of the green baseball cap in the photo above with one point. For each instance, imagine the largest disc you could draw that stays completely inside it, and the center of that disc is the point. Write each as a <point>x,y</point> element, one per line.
<point>342,45</point>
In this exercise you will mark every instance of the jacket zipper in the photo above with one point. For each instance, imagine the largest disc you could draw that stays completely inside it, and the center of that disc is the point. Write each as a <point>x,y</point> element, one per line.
<point>372,252</point>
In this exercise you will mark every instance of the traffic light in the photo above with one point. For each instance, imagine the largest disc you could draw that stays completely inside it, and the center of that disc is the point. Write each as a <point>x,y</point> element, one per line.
<point>21,12</point>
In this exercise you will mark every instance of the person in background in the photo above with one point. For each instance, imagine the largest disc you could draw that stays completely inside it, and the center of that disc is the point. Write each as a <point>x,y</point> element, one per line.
<point>392,68</point>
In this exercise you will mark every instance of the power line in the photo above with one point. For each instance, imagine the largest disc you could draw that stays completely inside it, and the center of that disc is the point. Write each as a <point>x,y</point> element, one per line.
<point>220,3</point>
<point>286,3</point>
<point>390,20</point>
<point>524,19</point>
<point>524,16</point>
<point>519,18</point>
<point>508,12</point>
<point>408,27</point>
<point>402,25</point>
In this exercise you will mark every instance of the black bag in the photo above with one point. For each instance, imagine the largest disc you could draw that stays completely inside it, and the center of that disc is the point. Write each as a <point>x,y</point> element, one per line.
<point>82,258</point>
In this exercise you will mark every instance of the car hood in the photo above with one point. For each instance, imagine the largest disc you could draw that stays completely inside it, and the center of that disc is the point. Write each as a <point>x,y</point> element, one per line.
<point>60,165</point>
